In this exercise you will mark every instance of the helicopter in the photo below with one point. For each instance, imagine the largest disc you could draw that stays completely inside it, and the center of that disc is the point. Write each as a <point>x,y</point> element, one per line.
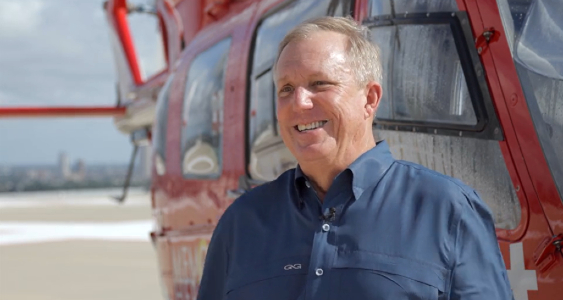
<point>472,89</point>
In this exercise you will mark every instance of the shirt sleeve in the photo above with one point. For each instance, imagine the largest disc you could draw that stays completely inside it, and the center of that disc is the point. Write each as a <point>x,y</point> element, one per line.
<point>479,271</point>
<point>214,278</point>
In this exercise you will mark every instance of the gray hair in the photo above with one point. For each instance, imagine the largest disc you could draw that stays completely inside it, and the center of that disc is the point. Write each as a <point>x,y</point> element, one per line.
<point>363,56</point>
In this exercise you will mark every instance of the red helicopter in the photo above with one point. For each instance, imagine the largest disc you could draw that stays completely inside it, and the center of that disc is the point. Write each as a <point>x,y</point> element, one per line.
<point>472,89</point>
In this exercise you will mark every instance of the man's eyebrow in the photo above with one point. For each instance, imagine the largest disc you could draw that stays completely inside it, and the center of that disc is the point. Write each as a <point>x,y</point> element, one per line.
<point>318,74</point>
<point>279,79</point>
<point>286,78</point>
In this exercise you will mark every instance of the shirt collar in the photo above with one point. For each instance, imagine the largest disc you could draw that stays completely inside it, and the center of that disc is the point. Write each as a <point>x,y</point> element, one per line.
<point>367,170</point>
<point>299,176</point>
<point>299,181</point>
<point>370,167</point>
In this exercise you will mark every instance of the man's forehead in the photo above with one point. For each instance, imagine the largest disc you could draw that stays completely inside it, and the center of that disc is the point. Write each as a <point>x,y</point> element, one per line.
<point>320,40</point>
<point>316,54</point>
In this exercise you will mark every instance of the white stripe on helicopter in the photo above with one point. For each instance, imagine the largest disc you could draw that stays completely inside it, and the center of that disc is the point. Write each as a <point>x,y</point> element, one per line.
<point>521,280</point>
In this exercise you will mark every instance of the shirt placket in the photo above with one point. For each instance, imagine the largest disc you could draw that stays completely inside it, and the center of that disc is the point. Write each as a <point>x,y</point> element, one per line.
<point>322,254</point>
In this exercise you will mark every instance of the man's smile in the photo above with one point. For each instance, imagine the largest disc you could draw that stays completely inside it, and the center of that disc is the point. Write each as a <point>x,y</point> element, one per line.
<point>310,126</point>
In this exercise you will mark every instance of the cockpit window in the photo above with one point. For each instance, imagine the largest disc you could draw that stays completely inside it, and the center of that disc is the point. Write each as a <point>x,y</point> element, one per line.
<point>535,33</point>
<point>539,45</point>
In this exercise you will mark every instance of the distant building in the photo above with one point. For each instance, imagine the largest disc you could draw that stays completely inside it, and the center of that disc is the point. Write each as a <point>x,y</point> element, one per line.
<point>64,166</point>
<point>80,170</point>
<point>5,171</point>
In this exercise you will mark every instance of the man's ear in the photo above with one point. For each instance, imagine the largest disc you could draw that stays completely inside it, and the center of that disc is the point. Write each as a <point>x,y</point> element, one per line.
<point>373,96</point>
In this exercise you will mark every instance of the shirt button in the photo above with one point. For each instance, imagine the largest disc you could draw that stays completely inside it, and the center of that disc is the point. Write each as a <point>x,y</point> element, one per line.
<point>326,227</point>
<point>319,272</point>
<point>307,184</point>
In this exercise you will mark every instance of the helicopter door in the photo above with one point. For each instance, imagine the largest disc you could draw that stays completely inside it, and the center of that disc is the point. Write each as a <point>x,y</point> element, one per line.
<point>204,153</point>
<point>534,35</point>
<point>535,63</point>
<point>452,105</point>
<point>436,109</point>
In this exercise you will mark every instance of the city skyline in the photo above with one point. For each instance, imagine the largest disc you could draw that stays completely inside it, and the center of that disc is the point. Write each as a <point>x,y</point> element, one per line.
<point>143,160</point>
<point>74,174</point>
<point>73,158</point>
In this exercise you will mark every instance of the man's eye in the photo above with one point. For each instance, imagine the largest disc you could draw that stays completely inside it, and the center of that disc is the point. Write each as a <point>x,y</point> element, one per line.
<point>318,82</point>
<point>285,89</point>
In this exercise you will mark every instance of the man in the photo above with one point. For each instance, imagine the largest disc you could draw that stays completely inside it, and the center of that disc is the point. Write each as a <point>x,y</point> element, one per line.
<point>349,222</point>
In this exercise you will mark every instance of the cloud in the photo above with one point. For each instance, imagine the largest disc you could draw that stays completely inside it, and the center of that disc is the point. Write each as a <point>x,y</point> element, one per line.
<point>64,60</point>
<point>4,99</point>
<point>19,17</point>
<point>57,53</point>
<point>54,53</point>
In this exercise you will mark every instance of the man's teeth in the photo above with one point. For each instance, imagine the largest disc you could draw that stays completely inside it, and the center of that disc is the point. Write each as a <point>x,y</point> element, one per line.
<point>310,126</point>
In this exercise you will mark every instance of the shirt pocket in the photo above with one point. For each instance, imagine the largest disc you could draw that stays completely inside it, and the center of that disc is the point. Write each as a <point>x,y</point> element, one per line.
<point>366,275</point>
<point>283,279</point>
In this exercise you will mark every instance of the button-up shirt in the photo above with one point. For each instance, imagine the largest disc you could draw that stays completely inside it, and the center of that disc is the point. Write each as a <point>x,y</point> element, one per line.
<point>387,229</point>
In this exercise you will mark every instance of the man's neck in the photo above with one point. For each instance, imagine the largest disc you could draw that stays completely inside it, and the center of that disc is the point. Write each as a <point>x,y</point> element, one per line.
<point>321,173</point>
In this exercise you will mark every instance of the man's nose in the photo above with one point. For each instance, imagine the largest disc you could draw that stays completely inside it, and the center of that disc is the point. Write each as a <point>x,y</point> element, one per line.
<point>302,99</point>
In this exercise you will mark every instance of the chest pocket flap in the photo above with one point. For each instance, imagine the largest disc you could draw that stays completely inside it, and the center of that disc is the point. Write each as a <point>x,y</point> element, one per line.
<point>426,273</point>
<point>289,266</point>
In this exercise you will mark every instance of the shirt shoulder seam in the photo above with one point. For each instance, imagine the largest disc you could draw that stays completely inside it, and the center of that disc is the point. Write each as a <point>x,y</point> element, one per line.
<point>463,188</point>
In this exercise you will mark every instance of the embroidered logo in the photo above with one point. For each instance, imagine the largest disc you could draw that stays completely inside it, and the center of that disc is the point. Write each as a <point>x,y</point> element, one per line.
<point>292,267</point>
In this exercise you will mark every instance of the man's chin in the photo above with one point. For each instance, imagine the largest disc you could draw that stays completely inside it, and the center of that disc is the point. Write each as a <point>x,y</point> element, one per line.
<point>310,153</point>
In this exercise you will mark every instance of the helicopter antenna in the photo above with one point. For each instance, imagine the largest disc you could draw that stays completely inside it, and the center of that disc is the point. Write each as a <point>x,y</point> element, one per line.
<point>121,198</point>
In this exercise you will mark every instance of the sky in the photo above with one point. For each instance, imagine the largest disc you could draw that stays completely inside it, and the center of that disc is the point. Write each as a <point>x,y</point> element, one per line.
<point>58,52</point>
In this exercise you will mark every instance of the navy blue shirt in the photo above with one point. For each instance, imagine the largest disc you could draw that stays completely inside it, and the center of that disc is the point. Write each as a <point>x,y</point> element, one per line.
<point>387,229</point>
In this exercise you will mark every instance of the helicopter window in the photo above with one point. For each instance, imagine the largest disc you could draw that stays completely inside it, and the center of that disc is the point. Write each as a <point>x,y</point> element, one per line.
<point>263,105</point>
<point>423,74</point>
<point>433,77</point>
<point>202,133</point>
<point>268,156</point>
<point>390,7</point>
<point>161,124</point>
<point>533,31</point>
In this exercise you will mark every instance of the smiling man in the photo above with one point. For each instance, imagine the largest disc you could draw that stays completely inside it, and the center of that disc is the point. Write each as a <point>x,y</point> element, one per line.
<point>350,222</point>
